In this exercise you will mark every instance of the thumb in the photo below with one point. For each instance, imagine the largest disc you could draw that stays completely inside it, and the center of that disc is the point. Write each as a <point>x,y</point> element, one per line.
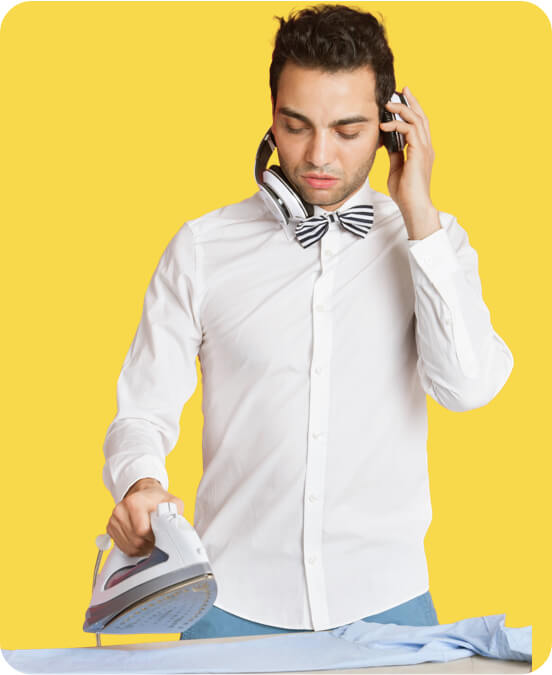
<point>179,504</point>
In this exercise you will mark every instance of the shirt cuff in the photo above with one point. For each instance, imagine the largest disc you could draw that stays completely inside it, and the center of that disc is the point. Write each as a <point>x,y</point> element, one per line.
<point>140,467</point>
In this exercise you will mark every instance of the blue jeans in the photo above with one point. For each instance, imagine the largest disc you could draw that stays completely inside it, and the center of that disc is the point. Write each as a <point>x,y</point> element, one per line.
<point>217,623</point>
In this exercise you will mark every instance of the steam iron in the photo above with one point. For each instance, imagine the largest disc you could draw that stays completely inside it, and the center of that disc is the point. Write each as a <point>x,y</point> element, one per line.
<point>164,592</point>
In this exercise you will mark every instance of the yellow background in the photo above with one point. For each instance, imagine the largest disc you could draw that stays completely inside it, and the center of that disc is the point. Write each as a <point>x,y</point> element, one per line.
<point>122,120</point>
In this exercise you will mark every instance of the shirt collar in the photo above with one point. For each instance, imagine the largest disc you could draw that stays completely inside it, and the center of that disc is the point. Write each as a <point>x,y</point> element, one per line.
<point>362,196</point>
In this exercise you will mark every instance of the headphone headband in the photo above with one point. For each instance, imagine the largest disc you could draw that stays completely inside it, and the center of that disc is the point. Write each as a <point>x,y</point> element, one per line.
<point>264,152</point>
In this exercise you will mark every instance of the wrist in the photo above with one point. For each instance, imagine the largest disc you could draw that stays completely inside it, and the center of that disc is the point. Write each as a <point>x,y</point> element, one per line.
<point>423,223</point>
<point>142,484</point>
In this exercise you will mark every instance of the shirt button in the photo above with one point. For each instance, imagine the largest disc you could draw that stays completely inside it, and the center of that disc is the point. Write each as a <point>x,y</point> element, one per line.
<point>317,434</point>
<point>312,559</point>
<point>318,370</point>
<point>319,308</point>
<point>328,253</point>
<point>312,498</point>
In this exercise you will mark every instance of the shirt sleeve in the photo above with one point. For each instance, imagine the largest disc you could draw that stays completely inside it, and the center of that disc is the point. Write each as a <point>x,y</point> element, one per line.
<point>462,362</point>
<point>158,374</point>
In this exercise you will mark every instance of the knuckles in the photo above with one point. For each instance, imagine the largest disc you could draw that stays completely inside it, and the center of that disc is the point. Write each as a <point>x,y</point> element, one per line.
<point>118,511</point>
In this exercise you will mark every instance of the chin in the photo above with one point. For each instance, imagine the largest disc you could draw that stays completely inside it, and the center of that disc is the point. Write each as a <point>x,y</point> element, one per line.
<point>323,197</point>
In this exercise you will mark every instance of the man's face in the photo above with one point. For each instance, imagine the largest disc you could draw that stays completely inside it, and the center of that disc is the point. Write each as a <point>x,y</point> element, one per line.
<point>326,127</point>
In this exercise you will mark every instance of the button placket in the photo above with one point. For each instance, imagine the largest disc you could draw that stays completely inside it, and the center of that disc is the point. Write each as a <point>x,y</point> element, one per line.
<point>317,440</point>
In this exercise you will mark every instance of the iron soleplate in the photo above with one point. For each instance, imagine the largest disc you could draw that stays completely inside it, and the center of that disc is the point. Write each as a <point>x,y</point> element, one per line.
<point>175,608</point>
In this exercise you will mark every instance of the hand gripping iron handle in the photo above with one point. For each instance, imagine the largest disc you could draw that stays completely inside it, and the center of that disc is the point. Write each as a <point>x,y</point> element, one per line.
<point>117,559</point>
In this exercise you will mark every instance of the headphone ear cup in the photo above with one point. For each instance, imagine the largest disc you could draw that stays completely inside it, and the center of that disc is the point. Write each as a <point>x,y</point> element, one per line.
<point>275,178</point>
<point>281,175</point>
<point>276,191</point>
<point>274,203</point>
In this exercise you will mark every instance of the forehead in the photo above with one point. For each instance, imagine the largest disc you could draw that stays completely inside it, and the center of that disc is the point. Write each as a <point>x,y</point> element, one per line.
<point>317,93</point>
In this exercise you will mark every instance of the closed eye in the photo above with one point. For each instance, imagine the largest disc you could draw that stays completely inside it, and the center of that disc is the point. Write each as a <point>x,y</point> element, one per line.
<point>348,130</point>
<point>348,135</point>
<point>294,130</point>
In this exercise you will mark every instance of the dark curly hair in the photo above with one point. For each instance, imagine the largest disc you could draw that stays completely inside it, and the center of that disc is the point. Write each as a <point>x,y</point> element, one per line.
<point>333,38</point>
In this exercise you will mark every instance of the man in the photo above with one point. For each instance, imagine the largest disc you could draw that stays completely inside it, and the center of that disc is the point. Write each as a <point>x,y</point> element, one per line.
<point>316,355</point>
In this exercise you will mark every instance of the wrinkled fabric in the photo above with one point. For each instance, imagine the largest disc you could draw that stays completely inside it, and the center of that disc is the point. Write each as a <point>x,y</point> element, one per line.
<point>355,645</point>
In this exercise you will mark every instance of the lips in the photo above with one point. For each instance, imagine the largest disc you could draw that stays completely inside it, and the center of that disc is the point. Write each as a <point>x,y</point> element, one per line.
<point>320,181</point>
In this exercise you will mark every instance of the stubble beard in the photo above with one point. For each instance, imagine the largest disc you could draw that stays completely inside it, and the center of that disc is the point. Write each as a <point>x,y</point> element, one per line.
<point>344,191</point>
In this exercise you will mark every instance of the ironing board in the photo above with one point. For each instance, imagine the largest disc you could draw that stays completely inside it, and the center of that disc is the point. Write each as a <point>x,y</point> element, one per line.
<point>474,645</point>
<point>471,664</point>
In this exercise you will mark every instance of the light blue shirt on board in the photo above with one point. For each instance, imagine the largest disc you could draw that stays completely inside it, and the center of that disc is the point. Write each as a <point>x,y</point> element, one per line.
<point>354,645</point>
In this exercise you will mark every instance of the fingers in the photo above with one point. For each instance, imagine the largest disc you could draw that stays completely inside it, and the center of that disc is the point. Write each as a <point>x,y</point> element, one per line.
<point>413,103</point>
<point>130,528</point>
<point>130,524</point>
<point>413,115</point>
<point>119,536</point>
<point>118,531</point>
<point>138,506</point>
<point>410,131</point>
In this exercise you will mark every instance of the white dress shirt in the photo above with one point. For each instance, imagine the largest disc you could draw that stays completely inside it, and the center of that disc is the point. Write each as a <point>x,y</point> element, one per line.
<point>314,501</point>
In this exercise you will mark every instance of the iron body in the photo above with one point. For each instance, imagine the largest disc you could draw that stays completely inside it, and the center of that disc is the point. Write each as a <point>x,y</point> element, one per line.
<point>164,592</point>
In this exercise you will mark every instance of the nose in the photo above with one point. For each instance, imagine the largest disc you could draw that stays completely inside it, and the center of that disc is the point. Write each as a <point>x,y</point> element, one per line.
<point>319,151</point>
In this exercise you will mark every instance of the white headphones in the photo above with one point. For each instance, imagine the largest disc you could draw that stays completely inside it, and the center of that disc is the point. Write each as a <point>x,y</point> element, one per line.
<point>276,191</point>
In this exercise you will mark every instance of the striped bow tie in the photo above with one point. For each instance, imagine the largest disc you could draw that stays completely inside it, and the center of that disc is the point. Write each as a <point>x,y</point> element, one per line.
<point>357,219</point>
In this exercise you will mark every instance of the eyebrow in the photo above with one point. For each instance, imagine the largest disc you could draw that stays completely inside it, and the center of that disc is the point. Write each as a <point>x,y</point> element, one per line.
<point>354,119</point>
